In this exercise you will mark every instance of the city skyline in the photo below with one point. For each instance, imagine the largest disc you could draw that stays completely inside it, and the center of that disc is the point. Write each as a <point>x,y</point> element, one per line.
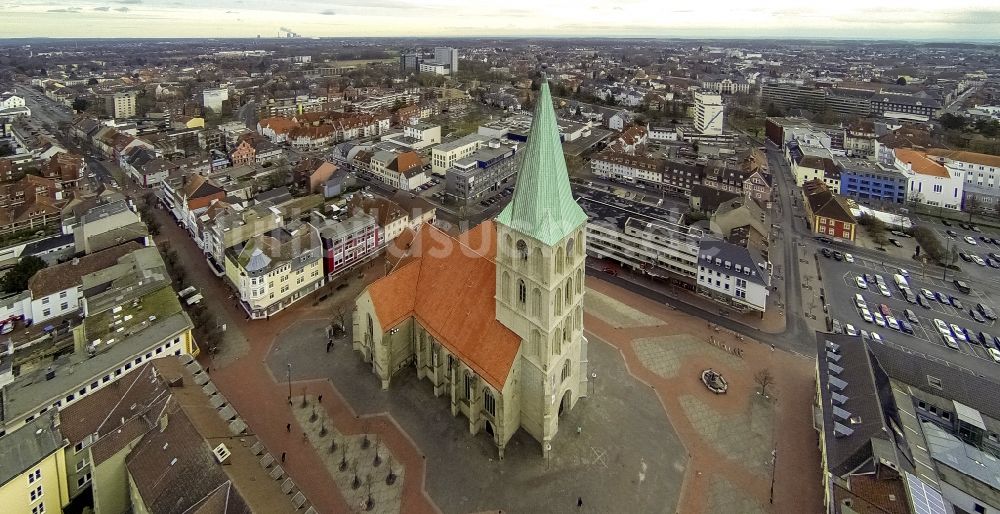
<point>964,20</point>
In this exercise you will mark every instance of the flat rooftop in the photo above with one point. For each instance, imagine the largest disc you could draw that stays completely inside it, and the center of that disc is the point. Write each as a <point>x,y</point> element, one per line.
<point>26,447</point>
<point>31,391</point>
<point>614,211</point>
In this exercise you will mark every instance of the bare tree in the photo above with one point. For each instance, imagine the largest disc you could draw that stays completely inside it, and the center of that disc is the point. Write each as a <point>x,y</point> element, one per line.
<point>763,378</point>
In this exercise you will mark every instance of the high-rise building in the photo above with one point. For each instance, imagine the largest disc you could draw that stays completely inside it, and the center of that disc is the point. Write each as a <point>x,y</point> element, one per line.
<point>708,113</point>
<point>120,104</point>
<point>409,62</point>
<point>448,57</point>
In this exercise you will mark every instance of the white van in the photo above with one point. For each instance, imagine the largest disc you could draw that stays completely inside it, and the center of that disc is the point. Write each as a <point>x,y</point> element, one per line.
<point>900,281</point>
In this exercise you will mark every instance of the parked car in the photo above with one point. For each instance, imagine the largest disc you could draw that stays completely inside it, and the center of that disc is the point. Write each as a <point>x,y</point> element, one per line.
<point>866,315</point>
<point>923,302</point>
<point>837,329</point>
<point>861,282</point>
<point>927,293</point>
<point>879,319</point>
<point>877,338</point>
<point>869,278</point>
<point>905,326</point>
<point>985,339</point>
<point>986,311</point>
<point>949,341</point>
<point>849,258</point>
<point>958,333</point>
<point>961,286</point>
<point>968,239</point>
<point>825,252</point>
<point>891,323</point>
<point>964,225</point>
<point>895,243</point>
<point>956,303</point>
<point>911,316</point>
<point>941,326</point>
<point>978,260</point>
<point>941,297</point>
<point>850,330</point>
<point>884,290</point>
<point>945,222</point>
<point>965,257</point>
<point>951,233</point>
<point>859,301</point>
<point>838,256</point>
<point>994,354</point>
<point>976,316</point>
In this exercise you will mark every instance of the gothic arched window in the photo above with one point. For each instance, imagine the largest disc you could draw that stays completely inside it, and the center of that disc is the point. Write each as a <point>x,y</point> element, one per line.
<point>522,250</point>
<point>536,302</point>
<point>505,286</point>
<point>489,402</point>
<point>522,293</point>
<point>567,369</point>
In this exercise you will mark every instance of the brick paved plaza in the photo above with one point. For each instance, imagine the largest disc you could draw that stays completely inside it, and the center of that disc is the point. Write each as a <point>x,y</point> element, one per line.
<point>652,438</point>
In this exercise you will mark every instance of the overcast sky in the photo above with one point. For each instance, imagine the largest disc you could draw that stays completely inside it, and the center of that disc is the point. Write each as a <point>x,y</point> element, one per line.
<point>880,19</point>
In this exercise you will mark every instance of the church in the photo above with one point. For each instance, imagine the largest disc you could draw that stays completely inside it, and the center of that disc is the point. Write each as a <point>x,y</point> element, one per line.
<point>493,318</point>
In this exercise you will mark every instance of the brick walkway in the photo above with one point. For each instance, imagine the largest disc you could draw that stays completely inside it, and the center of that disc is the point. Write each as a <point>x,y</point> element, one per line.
<point>262,399</point>
<point>725,473</point>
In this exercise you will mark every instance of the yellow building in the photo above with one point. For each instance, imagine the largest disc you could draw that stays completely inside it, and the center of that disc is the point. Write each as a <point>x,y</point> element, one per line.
<point>33,469</point>
<point>272,271</point>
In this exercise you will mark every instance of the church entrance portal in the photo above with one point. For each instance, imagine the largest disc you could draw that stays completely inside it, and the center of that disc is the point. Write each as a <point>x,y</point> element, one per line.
<point>566,402</point>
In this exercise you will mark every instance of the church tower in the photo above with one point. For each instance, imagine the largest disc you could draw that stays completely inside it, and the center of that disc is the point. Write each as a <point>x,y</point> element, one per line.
<point>539,274</point>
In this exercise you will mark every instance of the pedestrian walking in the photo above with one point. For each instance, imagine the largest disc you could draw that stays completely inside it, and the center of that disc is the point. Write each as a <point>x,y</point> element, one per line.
<point>282,457</point>
<point>320,398</point>
<point>288,428</point>
<point>304,437</point>
<point>328,345</point>
<point>579,502</point>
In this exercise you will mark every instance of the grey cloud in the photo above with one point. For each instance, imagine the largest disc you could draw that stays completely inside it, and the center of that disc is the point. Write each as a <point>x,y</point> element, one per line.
<point>328,12</point>
<point>122,9</point>
<point>102,9</point>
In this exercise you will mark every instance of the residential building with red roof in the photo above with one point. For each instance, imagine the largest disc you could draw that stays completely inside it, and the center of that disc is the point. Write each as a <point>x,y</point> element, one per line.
<point>827,212</point>
<point>493,318</point>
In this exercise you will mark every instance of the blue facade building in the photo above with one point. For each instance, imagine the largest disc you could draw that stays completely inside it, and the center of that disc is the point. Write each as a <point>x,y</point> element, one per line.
<point>871,181</point>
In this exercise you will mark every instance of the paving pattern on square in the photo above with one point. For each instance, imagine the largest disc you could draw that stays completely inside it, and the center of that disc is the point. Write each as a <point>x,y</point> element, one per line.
<point>663,355</point>
<point>616,313</point>
<point>724,497</point>
<point>745,436</point>
<point>385,498</point>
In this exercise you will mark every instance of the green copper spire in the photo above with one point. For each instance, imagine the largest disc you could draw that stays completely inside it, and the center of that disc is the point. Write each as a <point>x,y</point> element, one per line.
<point>543,206</point>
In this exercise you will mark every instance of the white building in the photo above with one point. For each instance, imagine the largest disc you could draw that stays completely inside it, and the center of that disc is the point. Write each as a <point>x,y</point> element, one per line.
<point>445,154</point>
<point>929,182</point>
<point>448,57</point>
<point>213,98</point>
<point>662,133</point>
<point>726,87</point>
<point>980,173</point>
<point>731,273</point>
<point>11,102</point>
<point>708,113</point>
<point>433,67</point>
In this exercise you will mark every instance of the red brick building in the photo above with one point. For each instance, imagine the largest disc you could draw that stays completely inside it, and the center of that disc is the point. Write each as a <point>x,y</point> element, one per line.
<point>828,213</point>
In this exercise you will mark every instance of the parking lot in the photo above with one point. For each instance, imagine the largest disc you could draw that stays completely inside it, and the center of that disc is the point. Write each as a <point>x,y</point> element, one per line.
<point>840,282</point>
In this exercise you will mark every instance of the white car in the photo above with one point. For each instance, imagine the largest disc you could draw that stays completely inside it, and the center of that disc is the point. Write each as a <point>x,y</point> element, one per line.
<point>958,333</point>
<point>860,281</point>
<point>978,260</point>
<point>867,315</point>
<point>949,341</point>
<point>928,294</point>
<point>891,323</point>
<point>884,290</point>
<point>968,239</point>
<point>879,320</point>
<point>859,301</point>
<point>941,326</point>
<point>995,354</point>
<point>879,280</point>
<point>901,271</point>
<point>850,330</point>
<point>849,258</point>
<point>877,338</point>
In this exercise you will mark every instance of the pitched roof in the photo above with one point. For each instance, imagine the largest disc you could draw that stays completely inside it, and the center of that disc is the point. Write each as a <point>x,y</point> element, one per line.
<point>542,206</point>
<point>824,203</point>
<point>66,275</point>
<point>970,157</point>
<point>107,410</point>
<point>920,163</point>
<point>199,187</point>
<point>449,286</point>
